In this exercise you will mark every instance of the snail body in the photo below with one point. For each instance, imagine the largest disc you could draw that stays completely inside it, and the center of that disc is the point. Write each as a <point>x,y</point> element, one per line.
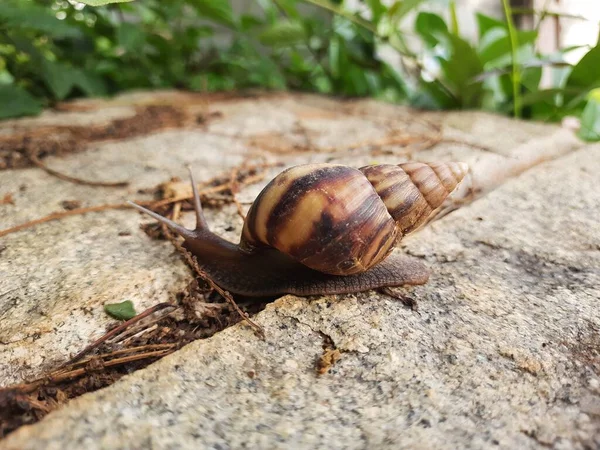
<point>324,229</point>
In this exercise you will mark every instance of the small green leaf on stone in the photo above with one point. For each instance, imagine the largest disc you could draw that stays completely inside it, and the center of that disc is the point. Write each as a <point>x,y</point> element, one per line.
<point>120,311</point>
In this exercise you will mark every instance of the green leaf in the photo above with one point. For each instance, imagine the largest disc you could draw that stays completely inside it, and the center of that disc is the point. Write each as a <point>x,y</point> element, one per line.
<point>590,119</point>
<point>335,56</point>
<point>248,22</point>
<point>120,311</point>
<point>401,8</point>
<point>6,77</point>
<point>16,102</point>
<point>586,73</point>
<point>461,69</point>
<point>525,54</point>
<point>59,78</point>
<point>433,96</point>
<point>25,45</point>
<point>487,23</point>
<point>544,98</point>
<point>90,83</point>
<point>356,83</point>
<point>217,10</point>
<point>289,8</point>
<point>283,34</point>
<point>27,15</point>
<point>131,37</point>
<point>496,43</point>
<point>102,2</point>
<point>531,77</point>
<point>540,96</point>
<point>377,9</point>
<point>430,26</point>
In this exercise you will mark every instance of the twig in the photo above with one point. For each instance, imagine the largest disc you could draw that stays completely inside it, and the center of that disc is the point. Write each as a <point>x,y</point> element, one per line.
<point>132,331</point>
<point>406,300</point>
<point>63,376</point>
<point>66,372</point>
<point>151,204</point>
<point>118,329</point>
<point>36,160</point>
<point>211,190</point>
<point>122,351</point>
<point>227,296</point>
<point>176,212</point>
<point>193,263</point>
<point>141,348</point>
<point>60,215</point>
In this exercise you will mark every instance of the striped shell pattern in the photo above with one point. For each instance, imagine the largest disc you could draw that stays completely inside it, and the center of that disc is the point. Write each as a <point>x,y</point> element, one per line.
<point>340,220</point>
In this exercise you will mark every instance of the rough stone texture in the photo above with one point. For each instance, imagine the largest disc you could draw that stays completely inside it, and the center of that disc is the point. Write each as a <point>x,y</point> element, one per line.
<point>496,354</point>
<point>503,350</point>
<point>54,278</point>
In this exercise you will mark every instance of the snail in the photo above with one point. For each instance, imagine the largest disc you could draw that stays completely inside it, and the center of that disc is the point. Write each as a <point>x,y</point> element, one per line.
<point>324,229</point>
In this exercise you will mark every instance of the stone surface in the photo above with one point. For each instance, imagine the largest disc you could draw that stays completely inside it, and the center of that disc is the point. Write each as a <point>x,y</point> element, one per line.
<point>48,314</point>
<point>501,351</point>
<point>494,357</point>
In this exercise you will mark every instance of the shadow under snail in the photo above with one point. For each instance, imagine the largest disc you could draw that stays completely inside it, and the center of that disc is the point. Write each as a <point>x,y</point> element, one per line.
<point>324,229</point>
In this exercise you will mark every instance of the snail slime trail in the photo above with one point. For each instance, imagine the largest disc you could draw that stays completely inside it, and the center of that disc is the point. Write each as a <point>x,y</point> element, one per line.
<point>324,229</point>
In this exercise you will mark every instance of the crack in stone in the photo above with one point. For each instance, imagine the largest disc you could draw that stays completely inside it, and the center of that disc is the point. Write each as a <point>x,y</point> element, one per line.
<point>319,332</point>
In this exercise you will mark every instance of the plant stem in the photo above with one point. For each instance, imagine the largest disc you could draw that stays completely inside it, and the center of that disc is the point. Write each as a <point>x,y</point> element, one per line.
<point>453,19</point>
<point>544,12</point>
<point>402,50</point>
<point>342,12</point>
<point>516,73</point>
<point>316,58</point>
<point>543,15</point>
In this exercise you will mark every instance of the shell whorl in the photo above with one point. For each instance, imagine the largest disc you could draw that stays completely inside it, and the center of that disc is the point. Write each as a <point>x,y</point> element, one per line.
<point>412,191</point>
<point>340,220</point>
<point>326,216</point>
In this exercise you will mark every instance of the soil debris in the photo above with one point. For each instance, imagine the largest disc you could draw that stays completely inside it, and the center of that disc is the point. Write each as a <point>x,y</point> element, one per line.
<point>407,301</point>
<point>196,313</point>
<point>7,199</point>
<point>70,205</point>
<point>248,174</point>
<point>331,355</point>
<point>327,360</point>
<point>16,148</point>
<point>585,348</point>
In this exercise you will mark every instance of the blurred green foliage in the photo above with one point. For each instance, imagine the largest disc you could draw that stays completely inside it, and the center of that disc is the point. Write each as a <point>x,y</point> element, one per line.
<point>54,50</point>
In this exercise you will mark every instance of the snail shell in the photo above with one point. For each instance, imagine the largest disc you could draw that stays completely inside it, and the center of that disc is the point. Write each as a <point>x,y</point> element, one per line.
<point>342,221</point>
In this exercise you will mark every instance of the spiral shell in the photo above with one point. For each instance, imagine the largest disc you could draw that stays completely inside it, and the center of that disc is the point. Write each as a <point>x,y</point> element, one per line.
<point>412,191</point>
<point>340,220</point>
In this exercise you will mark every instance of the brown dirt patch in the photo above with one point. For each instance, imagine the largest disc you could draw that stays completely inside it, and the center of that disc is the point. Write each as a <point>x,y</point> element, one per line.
<point>59,140</point>
<point>197,313</point>
<point>585,349</point>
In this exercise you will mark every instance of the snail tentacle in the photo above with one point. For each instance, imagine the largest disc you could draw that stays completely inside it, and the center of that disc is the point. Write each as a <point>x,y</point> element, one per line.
<point>200,219</point>
<point>201,224</point>
<point>182,231</point>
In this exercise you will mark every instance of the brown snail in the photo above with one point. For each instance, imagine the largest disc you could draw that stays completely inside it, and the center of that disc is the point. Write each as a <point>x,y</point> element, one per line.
<point>324,229</point>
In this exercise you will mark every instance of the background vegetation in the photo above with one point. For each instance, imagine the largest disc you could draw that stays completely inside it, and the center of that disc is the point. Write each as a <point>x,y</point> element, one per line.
<point>51,51</point>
